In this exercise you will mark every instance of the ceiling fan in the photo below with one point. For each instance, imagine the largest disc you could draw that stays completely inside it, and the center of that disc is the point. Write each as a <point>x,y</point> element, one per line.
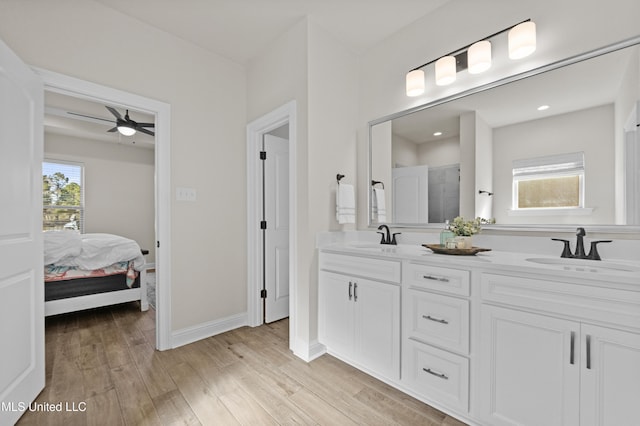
<point>127,126</point>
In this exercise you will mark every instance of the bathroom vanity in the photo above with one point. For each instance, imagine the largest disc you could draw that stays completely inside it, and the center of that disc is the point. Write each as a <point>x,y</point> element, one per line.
<point>493,339</point>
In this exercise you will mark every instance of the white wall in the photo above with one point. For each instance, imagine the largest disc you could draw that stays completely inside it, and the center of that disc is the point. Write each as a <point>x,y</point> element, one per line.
<point>439,153</point>
<point>484,169</point>
<point>589,130</point>
<point>308,65</point>
<point>404,153</point>
<point>86,40</point>
<point>381,163</point>
<point>118,185</point>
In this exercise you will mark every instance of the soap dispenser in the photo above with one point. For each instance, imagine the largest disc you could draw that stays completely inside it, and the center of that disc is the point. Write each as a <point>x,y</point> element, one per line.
<point>446,234</point>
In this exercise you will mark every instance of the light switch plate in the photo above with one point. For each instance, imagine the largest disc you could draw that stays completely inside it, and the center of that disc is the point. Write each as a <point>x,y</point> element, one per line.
<point>185,194</point>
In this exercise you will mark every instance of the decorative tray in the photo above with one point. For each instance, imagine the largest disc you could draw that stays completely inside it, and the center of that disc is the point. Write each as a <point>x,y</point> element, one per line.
<point>437,248</point>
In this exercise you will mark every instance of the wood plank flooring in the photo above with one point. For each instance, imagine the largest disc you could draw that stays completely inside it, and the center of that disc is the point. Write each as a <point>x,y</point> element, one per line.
<point>102,363</point>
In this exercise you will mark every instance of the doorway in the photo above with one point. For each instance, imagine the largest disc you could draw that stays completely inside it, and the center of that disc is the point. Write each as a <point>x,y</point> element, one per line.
<point>275,224</point>
<point>281,118</point>
<point>69,86</point>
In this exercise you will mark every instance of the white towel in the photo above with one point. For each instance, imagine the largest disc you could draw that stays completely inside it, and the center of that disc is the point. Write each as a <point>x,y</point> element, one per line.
<point>378,205</point>
<point>345,204</point>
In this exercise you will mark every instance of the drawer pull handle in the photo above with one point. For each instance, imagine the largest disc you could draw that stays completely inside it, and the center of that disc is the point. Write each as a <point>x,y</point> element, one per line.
<point>433,373</point>
<point>588,352</point>
<point>431,277</point>
<point>355,292</point>
<point>350,287</point>
<point>430,318</point>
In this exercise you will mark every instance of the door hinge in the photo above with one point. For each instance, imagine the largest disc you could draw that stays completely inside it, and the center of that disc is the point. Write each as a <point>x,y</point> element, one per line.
<point>158,244</point>
<point>263,155</point>
<point>263,294</point>
<point>263,224</point>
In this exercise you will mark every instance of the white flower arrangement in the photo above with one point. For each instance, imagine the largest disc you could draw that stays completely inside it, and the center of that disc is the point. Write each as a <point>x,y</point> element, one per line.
<point>467,228</point>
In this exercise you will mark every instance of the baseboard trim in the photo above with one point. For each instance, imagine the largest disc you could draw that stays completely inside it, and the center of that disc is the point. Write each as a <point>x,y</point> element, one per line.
<point>310,352</point>
<point>202,331</point>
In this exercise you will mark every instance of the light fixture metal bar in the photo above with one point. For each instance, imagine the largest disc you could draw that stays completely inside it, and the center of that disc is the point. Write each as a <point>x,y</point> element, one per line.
<point>462,50</point>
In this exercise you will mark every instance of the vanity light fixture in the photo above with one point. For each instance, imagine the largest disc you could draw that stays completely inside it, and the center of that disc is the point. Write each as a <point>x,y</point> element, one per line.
<point>415,83</point>
<point>522,40</point>
<point>479,57</point>
<point>437,134</point>
<point>446,70</point>
<point>543,107</point>
<point>475,57</point>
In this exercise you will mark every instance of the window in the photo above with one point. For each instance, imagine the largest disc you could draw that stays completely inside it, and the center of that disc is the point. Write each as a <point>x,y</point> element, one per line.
<point>551,182</point>
<point>62,195</point>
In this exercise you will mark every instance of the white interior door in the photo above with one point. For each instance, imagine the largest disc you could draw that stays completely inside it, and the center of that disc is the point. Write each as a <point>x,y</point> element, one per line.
<point>411,194</point>
<point>22,371</point>
<point>276,199</point>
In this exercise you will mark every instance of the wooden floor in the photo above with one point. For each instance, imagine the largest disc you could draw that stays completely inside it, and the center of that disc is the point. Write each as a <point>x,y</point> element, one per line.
<point>102,363</point>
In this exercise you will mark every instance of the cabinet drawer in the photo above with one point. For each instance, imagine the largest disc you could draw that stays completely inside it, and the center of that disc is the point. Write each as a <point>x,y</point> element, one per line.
<point>437,375</point>
<point>593,303</point>
<point>453,281</point>
<point>439,320</point>
<point>379,269</point>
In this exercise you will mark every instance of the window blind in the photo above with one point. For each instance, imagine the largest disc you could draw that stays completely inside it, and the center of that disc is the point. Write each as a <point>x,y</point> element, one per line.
<point>551,164</point>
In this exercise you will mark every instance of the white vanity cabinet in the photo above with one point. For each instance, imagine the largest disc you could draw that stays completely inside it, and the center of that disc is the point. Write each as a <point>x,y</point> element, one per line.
<point>359,317</point>
<point>435,318</point>
<point>558,353</point>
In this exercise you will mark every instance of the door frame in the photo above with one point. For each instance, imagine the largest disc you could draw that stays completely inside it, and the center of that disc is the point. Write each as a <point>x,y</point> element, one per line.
<point>255,131</point>
<point>71,86</point>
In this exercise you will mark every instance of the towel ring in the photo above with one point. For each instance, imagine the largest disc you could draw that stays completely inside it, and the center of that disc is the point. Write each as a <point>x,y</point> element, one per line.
<point>375,182</point>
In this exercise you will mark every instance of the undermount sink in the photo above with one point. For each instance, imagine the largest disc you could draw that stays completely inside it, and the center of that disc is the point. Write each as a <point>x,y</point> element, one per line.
<point>385,248</point>
<point>584,265</point>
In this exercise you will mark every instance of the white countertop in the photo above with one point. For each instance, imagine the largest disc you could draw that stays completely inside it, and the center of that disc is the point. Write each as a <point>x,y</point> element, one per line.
<point>623,272</point>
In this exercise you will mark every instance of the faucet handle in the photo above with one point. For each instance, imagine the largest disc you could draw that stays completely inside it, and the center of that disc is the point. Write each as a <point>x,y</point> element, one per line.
<point>593,252</point>
<point>382,240</point>
<point>393,241</point>
<point>566,251</point>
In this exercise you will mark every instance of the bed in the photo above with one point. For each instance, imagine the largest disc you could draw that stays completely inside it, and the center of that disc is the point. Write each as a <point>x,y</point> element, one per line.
<point>84,271</point>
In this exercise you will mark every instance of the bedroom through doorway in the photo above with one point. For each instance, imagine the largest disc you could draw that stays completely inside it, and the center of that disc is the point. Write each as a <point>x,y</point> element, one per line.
<point>125,182</point>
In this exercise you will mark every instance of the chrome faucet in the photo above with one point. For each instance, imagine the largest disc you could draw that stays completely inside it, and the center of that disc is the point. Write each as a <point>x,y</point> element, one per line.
<point>579,253</point>
<point>386,236</point>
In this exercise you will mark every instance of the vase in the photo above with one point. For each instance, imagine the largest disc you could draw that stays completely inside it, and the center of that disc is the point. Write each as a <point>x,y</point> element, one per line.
<point>463,242</point>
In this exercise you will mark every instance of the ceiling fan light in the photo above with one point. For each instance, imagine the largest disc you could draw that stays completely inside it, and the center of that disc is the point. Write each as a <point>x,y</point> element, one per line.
<point>522,40</point>
<point>415,83</point>
<point>479,57</point>
<point>126,130</point>
<point>445,70</point>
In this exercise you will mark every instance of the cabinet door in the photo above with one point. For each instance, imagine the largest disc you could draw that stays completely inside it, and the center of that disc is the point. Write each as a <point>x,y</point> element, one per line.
<point>335,328</point>
<point>530,369</point>
<point>377,326</point>
<point>610,393</point>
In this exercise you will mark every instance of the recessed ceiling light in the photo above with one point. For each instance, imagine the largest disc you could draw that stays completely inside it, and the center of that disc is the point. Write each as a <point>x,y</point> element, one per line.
<point>437,134</point>
<point>543,107</point>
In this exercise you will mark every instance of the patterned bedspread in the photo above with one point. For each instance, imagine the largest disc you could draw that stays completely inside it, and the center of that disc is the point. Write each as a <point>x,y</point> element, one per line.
<point>55,272</point>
